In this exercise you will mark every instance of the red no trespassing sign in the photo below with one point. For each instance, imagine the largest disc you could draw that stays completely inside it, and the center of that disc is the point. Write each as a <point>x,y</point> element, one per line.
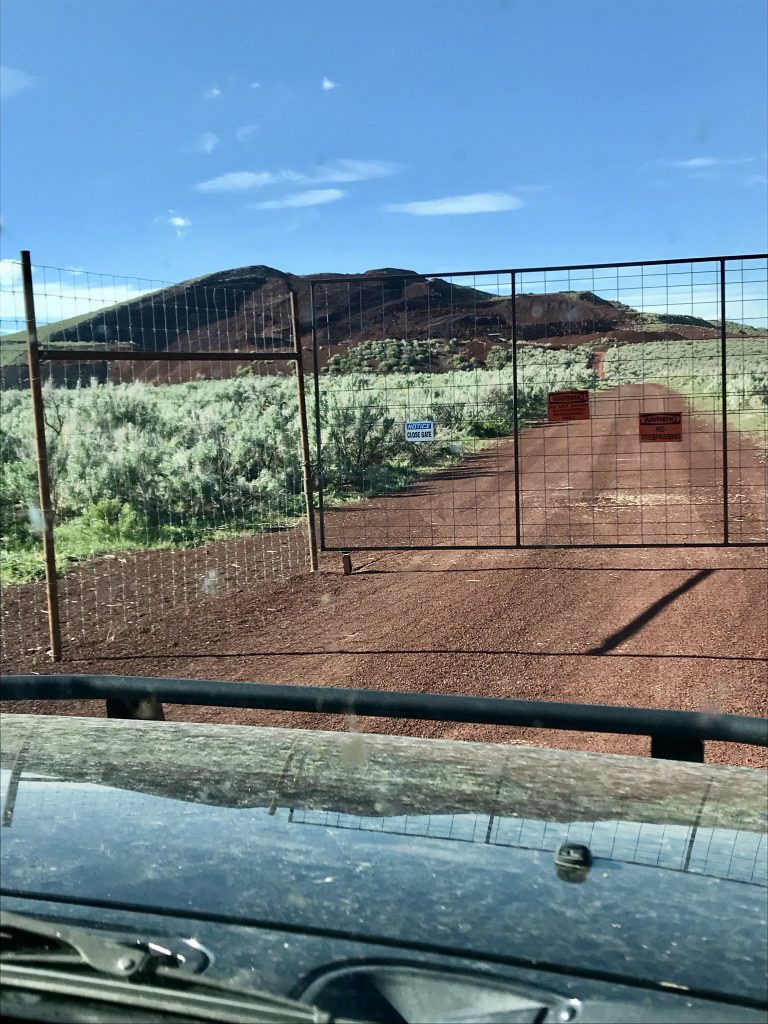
<point>661,426</point>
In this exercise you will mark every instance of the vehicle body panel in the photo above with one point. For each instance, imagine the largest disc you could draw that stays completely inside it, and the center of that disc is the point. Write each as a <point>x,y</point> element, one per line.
<point>419,844</point>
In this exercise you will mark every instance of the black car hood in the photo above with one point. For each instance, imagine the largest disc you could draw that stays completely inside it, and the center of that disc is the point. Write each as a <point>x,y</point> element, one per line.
<point>422,842</point>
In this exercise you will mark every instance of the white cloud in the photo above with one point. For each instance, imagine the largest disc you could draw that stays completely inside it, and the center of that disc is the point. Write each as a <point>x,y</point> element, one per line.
<point>211,94</point>
<point>333,172</point>
<point>757,179</point>
<point>59,297</point>
<point>255,85</point>
<point>245,132</point>
<point>312,197</point>
<point>10,271</point>
<point>13,81</point>
<point>477,202</point>
<point>180,223</point>
<point>239,181</point>
<point>700,163</point>
<point>327,84</point>
<point>207,142</point>
<point>353,170</point>
<point>695,163</point>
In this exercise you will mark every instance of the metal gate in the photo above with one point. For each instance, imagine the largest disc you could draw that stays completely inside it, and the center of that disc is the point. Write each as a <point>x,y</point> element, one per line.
<point>621,404</point>
<point>180,452</point>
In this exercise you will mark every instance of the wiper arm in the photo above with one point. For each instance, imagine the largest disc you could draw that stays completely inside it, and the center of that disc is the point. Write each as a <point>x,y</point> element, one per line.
<point>150,974</point>
<point>127,958</point>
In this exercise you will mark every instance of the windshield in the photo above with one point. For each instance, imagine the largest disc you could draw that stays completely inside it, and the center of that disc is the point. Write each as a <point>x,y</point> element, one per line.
<point>397,349</point>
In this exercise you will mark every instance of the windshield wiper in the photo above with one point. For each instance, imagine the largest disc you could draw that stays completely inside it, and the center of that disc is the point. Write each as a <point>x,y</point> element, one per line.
<point>150,974</point>
<point>30,940</point>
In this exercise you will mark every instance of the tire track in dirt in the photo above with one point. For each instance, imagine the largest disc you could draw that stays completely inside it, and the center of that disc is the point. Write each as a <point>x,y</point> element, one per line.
<point>679,627</point>
<point>589,482</point>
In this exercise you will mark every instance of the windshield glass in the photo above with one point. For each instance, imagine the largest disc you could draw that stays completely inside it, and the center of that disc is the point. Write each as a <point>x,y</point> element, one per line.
<point>404,349</point>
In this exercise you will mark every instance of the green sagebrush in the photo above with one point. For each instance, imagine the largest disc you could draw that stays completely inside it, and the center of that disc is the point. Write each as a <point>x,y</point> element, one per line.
<point>138,466</point>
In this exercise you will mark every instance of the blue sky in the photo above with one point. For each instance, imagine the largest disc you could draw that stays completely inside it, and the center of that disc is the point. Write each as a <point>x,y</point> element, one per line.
<point>174,138</point>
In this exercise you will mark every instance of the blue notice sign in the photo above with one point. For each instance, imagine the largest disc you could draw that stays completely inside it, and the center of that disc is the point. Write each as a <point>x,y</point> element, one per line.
<point>419,430</point>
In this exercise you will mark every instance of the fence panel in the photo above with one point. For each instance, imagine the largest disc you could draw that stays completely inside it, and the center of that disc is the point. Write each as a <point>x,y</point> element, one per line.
<point>175,481</point>
<point>645,467</point>
<point>22,606</point>
<point>728,853</point>
<point>577,406</point>
<point>746,375</point>
<point>400,350</point>
<point>545,407</point>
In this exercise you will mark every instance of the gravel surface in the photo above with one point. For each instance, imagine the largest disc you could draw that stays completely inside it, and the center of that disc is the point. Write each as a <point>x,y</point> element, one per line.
<point>588,482</point>
<point>680,627</point>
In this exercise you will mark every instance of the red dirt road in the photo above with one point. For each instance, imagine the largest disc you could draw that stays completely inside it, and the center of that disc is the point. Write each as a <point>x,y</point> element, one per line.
<point>601,627</point>
<point>676,628</point>
<point>589,482</point>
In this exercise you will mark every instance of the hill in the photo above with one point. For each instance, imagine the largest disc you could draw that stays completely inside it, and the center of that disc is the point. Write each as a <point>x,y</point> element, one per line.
<point>246,309</point>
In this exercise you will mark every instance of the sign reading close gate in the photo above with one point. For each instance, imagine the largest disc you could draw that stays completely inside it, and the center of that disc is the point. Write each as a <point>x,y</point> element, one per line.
<point>419,430</point>
<point>661,426</point>
<point>567,405</point>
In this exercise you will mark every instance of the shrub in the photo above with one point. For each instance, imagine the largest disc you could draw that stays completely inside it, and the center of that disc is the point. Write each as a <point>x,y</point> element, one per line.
<point>135,465</point>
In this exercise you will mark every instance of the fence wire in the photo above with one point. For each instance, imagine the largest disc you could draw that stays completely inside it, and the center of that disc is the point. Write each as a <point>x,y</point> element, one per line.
<point>177,481</point>
<point>23,607</point>
<point>746,377</point>
<point>576,406</point>
<point>174,481</point>
<point>728,847</point>
<point>727,853</point>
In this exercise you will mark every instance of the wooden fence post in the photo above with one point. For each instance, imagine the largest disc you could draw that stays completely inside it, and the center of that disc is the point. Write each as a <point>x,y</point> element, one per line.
<point>306,464</point>
<point>41,453</point>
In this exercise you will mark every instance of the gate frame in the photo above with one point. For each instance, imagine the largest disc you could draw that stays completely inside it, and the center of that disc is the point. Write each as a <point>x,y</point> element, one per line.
<point>36,355</point>
<point>513,273</point>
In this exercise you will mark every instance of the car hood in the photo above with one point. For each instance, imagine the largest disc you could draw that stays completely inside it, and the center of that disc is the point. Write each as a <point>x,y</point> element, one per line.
<point>426,843</point>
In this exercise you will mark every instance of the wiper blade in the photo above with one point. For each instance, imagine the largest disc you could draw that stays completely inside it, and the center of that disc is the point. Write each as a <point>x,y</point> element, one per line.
<point>31,940</point>
<point>187,1003</point>
<point>149,974</point>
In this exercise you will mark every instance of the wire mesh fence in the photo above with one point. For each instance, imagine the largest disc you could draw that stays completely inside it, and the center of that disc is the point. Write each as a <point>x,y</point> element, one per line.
<point>745,287</point>
<point>421,360</point>
<point>600,479</point>
<point>720,852</point>
<point>174,479</point>
<point>604,405</point>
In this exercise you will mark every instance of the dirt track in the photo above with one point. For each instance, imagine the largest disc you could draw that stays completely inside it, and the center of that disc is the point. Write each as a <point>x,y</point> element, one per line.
<point>679,627</point>
<point>590,482</point>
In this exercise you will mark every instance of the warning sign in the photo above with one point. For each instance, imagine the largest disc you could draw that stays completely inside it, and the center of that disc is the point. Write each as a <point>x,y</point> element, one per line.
<point>420,430</point>
<point>567,405</point>
<point>661,426</point>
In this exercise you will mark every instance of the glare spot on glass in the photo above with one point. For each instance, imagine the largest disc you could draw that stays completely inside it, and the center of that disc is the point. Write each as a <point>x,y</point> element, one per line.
<point>210,584</point>
<point>36,519</point>
<point>353,752</point>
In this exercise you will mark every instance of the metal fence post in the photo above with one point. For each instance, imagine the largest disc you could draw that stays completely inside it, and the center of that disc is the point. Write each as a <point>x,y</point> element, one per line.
<point>318,427</point>
<point>515,414</point>
<point>41,453</point>
<point>306,464</point>
<point>724,373</point>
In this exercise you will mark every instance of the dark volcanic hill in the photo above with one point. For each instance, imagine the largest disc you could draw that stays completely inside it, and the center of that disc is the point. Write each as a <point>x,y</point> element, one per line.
<point>239,308</point>
<point>247,309</point>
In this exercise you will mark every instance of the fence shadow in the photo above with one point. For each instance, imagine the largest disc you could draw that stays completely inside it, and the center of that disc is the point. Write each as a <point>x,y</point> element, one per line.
<point>650,612</point>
